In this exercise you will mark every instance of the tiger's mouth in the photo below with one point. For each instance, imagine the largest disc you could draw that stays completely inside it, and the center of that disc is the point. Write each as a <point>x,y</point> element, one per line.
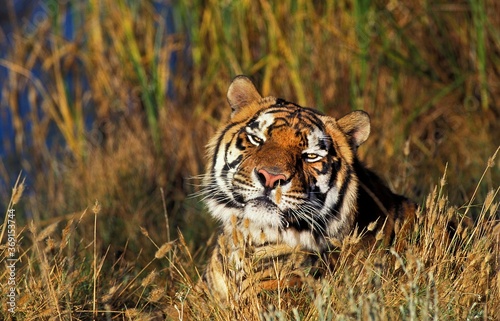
<point>265,203</point>
<point>262,199</point>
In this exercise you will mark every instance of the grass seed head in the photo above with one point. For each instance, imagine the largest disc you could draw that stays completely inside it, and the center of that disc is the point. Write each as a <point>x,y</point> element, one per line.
<point>50,245</point>
<point>372,226</point>
<point>148,280</point>
<point>490,197</point>
<point>144,231</point>
<point>17,192</point>
<point>164,249</point>
<point>49,230</point>
<point>380,234</point>
<point>111,292</point>
<point>156,295</point>
<point>494,209</point>
<point>335,242</point>
<point>96,208</point>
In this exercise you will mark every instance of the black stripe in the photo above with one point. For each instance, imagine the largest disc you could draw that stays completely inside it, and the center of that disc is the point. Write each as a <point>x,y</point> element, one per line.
<point>284,120</point>
<point>219,141</point>
<point>324,169</point>
<point>342,192</point>
<point>239,143</point>
<point>233,164</point>
<point>222,199</point>
<point>317,195</point>
<point>305,114</point>
<point>322,144</point>
<point>239,180</point>
<point>336,166</point>
<point>297,223</point>
<point>239,198</point>
<point>332,151</point>
<point>281,102</point>
<point>313,119</point>
<point>313,111</point>
<point>272,128</point>
<point>254,124</point>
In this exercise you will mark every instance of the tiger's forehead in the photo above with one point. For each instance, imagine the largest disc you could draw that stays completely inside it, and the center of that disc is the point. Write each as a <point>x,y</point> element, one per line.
<point>303,122</point>
<point>290,115</point>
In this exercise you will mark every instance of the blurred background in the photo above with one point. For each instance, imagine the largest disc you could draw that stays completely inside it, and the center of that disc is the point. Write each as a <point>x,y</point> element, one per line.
<point>114,101</point>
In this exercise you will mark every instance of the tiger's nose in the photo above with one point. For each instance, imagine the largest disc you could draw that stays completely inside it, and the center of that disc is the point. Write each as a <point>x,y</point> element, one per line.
<point>270,178</point>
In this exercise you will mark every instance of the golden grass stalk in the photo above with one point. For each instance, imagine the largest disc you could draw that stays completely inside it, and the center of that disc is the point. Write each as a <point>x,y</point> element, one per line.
<point>17,192</point>
<point>96,210</point>
<point>47,274</point>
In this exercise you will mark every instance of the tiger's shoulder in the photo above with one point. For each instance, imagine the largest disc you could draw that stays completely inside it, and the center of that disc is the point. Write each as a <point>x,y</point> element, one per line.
<point>381,213</point>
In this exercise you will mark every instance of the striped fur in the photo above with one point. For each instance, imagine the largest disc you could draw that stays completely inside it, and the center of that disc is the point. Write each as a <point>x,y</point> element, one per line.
<point>285,180</point>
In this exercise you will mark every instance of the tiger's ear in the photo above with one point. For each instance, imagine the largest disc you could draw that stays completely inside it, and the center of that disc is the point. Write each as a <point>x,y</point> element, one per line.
<point>356,125</point>
<point>241,93</point>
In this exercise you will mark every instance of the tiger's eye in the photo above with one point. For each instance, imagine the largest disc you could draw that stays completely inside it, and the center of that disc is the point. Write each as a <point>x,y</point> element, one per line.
<point>255,140</point>
<point>311,157</point>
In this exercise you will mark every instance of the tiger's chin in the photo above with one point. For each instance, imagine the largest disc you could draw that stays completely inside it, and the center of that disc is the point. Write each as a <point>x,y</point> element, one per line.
<point>262,212</point>
<point>262,222</point>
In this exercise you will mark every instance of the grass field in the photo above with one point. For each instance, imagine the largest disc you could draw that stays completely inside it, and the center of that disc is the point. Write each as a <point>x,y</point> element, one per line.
<point>111,123</point>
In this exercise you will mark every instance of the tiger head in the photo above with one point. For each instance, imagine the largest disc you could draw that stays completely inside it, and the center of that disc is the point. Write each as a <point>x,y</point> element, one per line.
<point>285,172</point>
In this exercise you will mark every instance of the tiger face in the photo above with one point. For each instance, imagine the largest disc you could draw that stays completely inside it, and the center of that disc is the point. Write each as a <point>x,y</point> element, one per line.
<point>285,172</point>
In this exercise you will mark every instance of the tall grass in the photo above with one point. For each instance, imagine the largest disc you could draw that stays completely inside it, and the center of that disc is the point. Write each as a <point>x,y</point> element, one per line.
<point>102,114</point>
<point>430,277</point>
<point>479,19</point>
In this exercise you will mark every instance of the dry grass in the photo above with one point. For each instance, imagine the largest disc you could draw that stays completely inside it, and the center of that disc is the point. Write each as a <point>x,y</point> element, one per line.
<point>434,277</point>
<point>120,111</point>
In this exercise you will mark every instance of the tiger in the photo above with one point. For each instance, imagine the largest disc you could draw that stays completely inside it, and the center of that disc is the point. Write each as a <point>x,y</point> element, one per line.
<point>285,182</point>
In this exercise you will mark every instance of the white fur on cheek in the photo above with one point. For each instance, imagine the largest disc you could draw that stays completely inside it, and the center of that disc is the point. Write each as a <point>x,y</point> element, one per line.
<point>221,212</point>
<point>223,181</point>
<point>341,226</point>
<point>332,197</point>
